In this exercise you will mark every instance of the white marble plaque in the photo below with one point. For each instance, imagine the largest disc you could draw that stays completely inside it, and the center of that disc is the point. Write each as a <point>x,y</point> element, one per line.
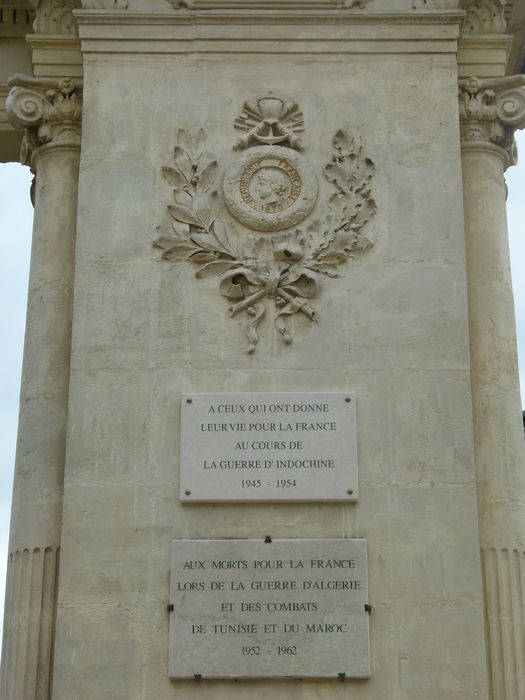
<point>285,609</point>
<point>269,447</point>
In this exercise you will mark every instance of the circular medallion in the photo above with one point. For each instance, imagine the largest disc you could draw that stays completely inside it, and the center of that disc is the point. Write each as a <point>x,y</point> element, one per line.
<point>270,188</point>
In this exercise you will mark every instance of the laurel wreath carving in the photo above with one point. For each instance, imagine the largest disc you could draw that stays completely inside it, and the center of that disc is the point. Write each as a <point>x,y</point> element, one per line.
<point>283,269</point>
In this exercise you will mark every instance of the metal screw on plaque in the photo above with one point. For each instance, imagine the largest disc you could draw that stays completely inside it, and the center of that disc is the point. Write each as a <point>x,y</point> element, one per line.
<point>188,492</point>
<point>350,492</point>
<point>348,399</point>
<point>189,400</point>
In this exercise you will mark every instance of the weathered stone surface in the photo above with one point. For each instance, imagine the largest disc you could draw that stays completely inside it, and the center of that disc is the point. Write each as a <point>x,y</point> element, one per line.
<point>393,329</point>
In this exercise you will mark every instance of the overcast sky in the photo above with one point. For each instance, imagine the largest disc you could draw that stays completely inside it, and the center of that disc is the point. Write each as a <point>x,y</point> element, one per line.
<point>15,234</point>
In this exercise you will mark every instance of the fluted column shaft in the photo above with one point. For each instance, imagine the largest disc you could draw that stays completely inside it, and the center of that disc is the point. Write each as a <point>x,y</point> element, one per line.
<point>490,112</point>
<point>51,115</point>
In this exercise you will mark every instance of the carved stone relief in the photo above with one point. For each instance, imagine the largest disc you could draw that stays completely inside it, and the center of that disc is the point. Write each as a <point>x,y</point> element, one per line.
<point>49,112</point>
<point>269,188</point>
<point>482,16</point>
<point>55,16</point>
<point>270,121</point>
<point>491,110</point>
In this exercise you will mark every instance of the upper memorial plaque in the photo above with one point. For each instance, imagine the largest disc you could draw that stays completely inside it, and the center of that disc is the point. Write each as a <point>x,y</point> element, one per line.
<point>269,447</point>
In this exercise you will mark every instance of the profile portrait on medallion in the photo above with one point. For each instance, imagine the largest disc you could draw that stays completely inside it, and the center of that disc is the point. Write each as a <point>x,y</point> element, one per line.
<point>270,188</point>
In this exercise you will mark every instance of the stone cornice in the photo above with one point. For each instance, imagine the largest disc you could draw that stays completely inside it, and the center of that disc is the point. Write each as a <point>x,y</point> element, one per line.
<point>105,4</point>
<point>55,56</point>
<point>305,32</point>
<point>268,4</point>
<point>323,15</point>
<point>484,56</point>
<point>49,111</point>
<point>491,111</point>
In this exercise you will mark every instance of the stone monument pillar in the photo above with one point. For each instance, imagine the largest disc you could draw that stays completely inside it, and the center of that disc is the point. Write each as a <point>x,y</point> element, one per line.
<point>264,375</point>
<point>490,111</point>
<point>50,112</point>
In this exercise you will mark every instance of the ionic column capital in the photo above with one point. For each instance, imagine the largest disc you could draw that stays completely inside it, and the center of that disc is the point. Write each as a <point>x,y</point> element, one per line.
<point>490,112</point>
<point>50,112</point>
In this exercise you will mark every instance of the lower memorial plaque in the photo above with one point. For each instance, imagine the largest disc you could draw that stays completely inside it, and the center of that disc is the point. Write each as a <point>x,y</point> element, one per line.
<point>281,609</point>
